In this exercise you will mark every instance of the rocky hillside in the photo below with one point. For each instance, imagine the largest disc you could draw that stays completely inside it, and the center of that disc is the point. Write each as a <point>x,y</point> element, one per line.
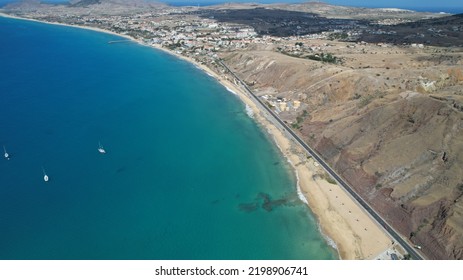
<point>389,121</point>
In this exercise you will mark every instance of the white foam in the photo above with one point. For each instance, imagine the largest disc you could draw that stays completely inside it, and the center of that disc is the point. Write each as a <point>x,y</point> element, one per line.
<point>249,111</point>
<point>330,241</point>
<point>207,72</point>
<point>299,190</point>
<point>302,197</point>
<point>230,90</point>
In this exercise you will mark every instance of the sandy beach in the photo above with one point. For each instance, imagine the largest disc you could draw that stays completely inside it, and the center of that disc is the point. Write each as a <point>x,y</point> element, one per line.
<point>356,235</point>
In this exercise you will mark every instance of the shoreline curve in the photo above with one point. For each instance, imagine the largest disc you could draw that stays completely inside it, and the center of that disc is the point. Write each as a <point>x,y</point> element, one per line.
<point>344,225</point>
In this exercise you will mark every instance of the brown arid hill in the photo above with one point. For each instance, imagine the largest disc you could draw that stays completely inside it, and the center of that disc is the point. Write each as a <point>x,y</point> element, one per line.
<point>389,120</point>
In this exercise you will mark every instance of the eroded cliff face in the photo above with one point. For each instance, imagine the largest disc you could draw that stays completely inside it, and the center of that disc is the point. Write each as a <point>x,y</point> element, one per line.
<point>391,125</point>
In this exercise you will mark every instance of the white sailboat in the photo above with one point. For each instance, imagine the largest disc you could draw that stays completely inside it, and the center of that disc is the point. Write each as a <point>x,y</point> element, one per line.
<point>7,156</point>
<point>45,176</point>
<point>101,149</point>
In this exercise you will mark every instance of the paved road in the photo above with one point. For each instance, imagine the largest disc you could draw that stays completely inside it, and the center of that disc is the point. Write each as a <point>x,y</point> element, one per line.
<point>413,253</point>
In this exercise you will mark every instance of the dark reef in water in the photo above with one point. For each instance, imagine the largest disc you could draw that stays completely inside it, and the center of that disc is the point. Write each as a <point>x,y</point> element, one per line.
<point>264,201</point>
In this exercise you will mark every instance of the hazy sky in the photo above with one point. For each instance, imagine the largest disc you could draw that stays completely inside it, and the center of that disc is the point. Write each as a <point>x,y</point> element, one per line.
<point>369,3</point>
<point>362,3</point>
<point>397,3</point>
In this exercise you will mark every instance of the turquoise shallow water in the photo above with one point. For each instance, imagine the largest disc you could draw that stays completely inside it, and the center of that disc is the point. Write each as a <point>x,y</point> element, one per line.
<point>187,174</point>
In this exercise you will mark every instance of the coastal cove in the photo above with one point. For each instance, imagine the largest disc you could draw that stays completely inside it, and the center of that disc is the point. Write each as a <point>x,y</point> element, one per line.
<point>187,174</point>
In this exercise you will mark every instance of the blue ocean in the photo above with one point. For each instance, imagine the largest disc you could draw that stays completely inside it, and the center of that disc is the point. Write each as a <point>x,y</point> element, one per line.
<point>186,174</point>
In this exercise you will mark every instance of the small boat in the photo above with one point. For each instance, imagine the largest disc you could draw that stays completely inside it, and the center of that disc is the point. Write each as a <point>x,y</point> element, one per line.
<point>7,156</point>
<point>101,149</point>
<point>45,176</point>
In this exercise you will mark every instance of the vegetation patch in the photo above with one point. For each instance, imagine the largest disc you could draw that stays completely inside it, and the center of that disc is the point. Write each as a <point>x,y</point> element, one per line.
<point>324,57</point>
<point>329,179</point>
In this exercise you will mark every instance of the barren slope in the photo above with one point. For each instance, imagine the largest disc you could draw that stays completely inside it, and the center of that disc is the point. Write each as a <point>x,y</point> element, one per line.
<point>390,122</point>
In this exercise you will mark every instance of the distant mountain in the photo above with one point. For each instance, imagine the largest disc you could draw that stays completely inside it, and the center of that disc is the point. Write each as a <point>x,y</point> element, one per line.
<point>24,4</point>
<point>84,3</point>
<point>130,3</point>
<point>106,5</point>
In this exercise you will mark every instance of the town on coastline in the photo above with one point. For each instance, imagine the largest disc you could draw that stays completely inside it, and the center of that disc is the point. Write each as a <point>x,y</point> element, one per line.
<point>348,81</point>
<point>205,34</point>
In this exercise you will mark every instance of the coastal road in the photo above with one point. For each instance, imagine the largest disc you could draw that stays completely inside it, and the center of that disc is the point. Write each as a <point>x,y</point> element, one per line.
<point>413,253</point>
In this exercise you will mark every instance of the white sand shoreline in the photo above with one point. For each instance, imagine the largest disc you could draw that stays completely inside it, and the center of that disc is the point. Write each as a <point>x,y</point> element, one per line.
<point>345,225</point>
